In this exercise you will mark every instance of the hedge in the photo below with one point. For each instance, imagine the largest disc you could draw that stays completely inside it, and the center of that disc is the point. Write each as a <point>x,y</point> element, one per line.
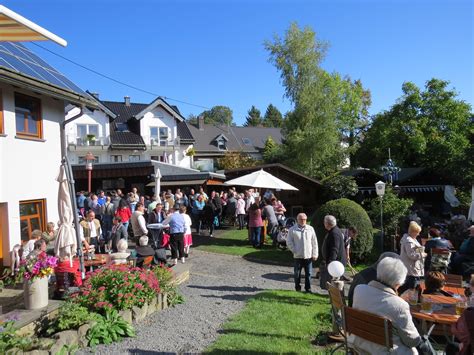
<point>348,213</point>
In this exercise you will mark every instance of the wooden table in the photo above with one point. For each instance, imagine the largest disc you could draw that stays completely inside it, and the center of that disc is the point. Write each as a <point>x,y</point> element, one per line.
<point>99,260</point>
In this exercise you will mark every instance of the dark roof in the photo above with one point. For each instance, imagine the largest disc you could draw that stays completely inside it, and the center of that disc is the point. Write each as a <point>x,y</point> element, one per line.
<point>237,136</point>
<point>184,133</point>
<point>126,140</point>
<point>124,112</point>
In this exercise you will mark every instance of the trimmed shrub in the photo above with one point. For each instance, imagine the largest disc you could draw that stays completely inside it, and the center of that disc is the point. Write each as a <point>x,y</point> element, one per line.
<point>348,213</point>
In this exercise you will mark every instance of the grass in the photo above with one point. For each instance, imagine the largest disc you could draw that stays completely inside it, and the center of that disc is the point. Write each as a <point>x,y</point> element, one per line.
<point>235,242</point>
<point>276,322</point>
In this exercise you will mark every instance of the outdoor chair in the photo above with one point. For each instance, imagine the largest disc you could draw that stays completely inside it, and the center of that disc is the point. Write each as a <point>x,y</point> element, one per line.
<point>147,262</point>
<point>368,326</point>
<point>336,297</point>
<point>453,280</point>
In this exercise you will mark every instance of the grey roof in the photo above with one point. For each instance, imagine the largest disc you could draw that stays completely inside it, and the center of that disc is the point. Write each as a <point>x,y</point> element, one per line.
<point>184,133</point>
<point>237,138</point>
<point>126,140</point>
<point>160,101</point>
<point>124,112</point>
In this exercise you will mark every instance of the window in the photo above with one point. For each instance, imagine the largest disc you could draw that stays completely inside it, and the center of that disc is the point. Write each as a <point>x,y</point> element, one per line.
<point>82,160</point>
<point>87,134</point>
<point>1,114</point>
<point>247,141</point>
<point>28,116</point>
<point>221,144</point>
<point>122,127</point>
<point>133,158</point>
<point>115,158</point>
<point>32,216</point>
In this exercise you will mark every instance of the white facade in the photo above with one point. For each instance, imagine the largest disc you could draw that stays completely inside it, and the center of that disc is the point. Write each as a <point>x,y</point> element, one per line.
<point>29,167</point>
<point>158,129</point>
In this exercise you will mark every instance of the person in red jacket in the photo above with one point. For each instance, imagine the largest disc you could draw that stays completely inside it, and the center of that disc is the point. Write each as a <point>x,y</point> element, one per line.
<point>124,212</point>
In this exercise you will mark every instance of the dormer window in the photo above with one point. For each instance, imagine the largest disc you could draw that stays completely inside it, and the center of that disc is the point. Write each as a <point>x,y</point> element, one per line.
<point>221,144</point>
<point>247,141</point>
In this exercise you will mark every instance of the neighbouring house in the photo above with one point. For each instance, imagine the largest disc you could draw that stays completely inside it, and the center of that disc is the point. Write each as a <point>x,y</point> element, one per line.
<point>212,142</point>
<point>130,132</point>
<point>33,97</point>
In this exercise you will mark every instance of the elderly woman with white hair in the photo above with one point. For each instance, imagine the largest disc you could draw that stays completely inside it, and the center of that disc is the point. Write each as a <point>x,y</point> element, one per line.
<point>380,297</point>
<point>412,254</point>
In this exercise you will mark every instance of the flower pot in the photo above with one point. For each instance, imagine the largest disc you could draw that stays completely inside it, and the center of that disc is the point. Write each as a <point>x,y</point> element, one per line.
<point>35,293</point>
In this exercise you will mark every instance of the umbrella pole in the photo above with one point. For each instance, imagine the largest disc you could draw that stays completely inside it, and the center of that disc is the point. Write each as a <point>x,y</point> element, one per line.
<point>72,192</point>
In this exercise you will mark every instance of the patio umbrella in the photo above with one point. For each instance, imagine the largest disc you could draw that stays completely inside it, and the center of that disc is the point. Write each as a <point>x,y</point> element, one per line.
<point>66,242</point>
<point>157,184</point>
<point>261,179</point>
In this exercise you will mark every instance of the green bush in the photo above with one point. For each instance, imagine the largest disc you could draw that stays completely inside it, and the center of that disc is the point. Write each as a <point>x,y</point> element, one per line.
<point>348,213</point>
<point>109,329</point>
<point>71,316</point>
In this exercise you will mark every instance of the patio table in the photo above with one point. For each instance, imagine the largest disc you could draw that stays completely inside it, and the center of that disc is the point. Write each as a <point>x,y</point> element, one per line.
<point>99,260</point>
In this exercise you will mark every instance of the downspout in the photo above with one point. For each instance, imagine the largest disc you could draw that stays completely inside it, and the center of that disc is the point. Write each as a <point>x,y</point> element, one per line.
<point>72,189</point>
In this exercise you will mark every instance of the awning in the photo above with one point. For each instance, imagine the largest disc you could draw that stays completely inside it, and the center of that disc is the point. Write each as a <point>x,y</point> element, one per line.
<point>178,182</point>
<point>16,28</point>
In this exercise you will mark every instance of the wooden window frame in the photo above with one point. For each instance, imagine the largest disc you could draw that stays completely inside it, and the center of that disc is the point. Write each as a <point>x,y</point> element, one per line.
<point>40,215</point>
<point>39,122</point>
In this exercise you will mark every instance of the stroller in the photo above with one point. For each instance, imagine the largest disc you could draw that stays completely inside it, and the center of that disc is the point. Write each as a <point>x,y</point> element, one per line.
<point>283,228</point>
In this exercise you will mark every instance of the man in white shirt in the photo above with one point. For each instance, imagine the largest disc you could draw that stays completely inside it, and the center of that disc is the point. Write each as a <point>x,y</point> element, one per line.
<point>303,244</point>
<point>91,229</point>
<point>30,245</point>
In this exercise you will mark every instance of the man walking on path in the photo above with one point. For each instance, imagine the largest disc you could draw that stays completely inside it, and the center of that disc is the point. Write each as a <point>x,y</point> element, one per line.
<point>332,249</point>
<point>177,226</point>
<point>303,244</point>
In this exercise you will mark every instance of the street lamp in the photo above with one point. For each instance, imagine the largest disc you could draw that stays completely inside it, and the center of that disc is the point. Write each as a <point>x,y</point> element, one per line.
<point>89,158</point>
<point>380,190</point>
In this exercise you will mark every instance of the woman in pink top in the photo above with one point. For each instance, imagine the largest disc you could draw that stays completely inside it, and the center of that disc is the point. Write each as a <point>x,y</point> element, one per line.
<point>255,224</point>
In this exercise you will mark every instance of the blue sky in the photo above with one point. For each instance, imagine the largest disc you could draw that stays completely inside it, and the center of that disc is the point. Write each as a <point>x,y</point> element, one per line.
<point>211,52</point>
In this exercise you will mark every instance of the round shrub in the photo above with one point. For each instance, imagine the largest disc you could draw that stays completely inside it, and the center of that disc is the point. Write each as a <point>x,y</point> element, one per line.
<point>348,213</point>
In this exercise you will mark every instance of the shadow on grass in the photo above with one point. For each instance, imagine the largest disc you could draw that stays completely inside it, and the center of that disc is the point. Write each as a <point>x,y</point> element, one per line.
<point>298,300</point>
<point>243,352</point>
<point>256,334</point>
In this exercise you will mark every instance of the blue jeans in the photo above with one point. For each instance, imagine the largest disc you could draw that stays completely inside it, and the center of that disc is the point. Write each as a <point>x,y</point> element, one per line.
<point>307,264</point>
<point>255,235</point>
<point>125,224</point>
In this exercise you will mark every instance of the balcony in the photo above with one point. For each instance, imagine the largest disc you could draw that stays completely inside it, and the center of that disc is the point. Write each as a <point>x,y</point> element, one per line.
<point>83,144</point>
<point>163,144</point>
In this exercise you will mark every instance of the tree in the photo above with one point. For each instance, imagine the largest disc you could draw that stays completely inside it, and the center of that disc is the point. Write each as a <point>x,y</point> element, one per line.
<point>339,186</point>
<point>273,117</point>
<point>254,118</point>
<point>218,115</point>
<point>235,160</point>
<point>326,106</point>
<point>429,128</point>
<point>271,151</point>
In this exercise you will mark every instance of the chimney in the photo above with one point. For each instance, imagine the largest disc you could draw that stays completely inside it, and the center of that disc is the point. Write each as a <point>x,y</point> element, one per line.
<point>95,94</point>
<point>127,100</point>
<point>201,123</point>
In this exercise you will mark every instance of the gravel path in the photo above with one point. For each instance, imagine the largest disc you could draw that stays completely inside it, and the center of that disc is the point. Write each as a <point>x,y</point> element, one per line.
<point>217,289</point>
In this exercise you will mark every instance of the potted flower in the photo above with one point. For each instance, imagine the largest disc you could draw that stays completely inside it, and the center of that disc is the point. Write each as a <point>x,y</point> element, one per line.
<point>90,138</point>
<point>36,269</point>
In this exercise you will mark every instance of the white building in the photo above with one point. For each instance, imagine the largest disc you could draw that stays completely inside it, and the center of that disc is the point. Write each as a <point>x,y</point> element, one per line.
<point>33,97</point>
<point>130,132</point>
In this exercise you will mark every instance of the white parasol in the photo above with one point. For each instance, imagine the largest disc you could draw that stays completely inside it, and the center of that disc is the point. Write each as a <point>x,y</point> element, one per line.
<point>261,179</point>
<point>66,243</point>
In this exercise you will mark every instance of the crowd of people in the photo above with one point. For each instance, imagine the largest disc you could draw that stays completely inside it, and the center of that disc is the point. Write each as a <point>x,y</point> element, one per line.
<point>108,218</point>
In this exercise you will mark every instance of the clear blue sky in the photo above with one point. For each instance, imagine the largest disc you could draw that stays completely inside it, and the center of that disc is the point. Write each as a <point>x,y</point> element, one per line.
<point>211,52</point>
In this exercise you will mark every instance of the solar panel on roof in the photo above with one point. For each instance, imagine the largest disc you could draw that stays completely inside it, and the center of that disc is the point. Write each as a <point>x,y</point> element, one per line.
<point>19,58</point>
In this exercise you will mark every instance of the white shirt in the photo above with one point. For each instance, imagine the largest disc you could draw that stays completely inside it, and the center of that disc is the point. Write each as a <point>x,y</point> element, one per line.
<point>187,223</point>
<point>29,247</point>
<point>93,230</point>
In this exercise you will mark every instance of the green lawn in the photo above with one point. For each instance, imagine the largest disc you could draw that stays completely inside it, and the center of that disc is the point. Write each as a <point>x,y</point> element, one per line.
<point>276,322</point>
<point>234,242</point>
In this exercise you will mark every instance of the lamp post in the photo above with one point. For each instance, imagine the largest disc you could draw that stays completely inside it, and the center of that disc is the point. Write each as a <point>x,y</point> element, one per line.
<point>380,190</point>
<point>90,158</point>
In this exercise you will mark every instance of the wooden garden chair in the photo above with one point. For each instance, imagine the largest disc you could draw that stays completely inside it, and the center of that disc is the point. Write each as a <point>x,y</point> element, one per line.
<point>368,326</point>
<point>336,297</point>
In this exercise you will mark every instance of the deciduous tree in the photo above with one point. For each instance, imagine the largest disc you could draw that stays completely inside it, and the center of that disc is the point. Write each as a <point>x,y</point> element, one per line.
<point>219,115</point>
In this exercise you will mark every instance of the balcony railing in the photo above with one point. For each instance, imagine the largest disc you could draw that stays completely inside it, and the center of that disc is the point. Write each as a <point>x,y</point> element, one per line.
<point>156,142</point>
<point>84,142</point>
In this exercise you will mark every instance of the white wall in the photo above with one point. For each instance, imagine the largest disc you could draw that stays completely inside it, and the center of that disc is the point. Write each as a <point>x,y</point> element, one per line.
<point>95,117</point>
<point>29,168</point>
<point>158,117</point>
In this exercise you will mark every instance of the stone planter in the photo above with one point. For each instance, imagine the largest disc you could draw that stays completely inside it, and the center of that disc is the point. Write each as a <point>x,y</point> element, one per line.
<point>164,300</point>
<point>35,293</point>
